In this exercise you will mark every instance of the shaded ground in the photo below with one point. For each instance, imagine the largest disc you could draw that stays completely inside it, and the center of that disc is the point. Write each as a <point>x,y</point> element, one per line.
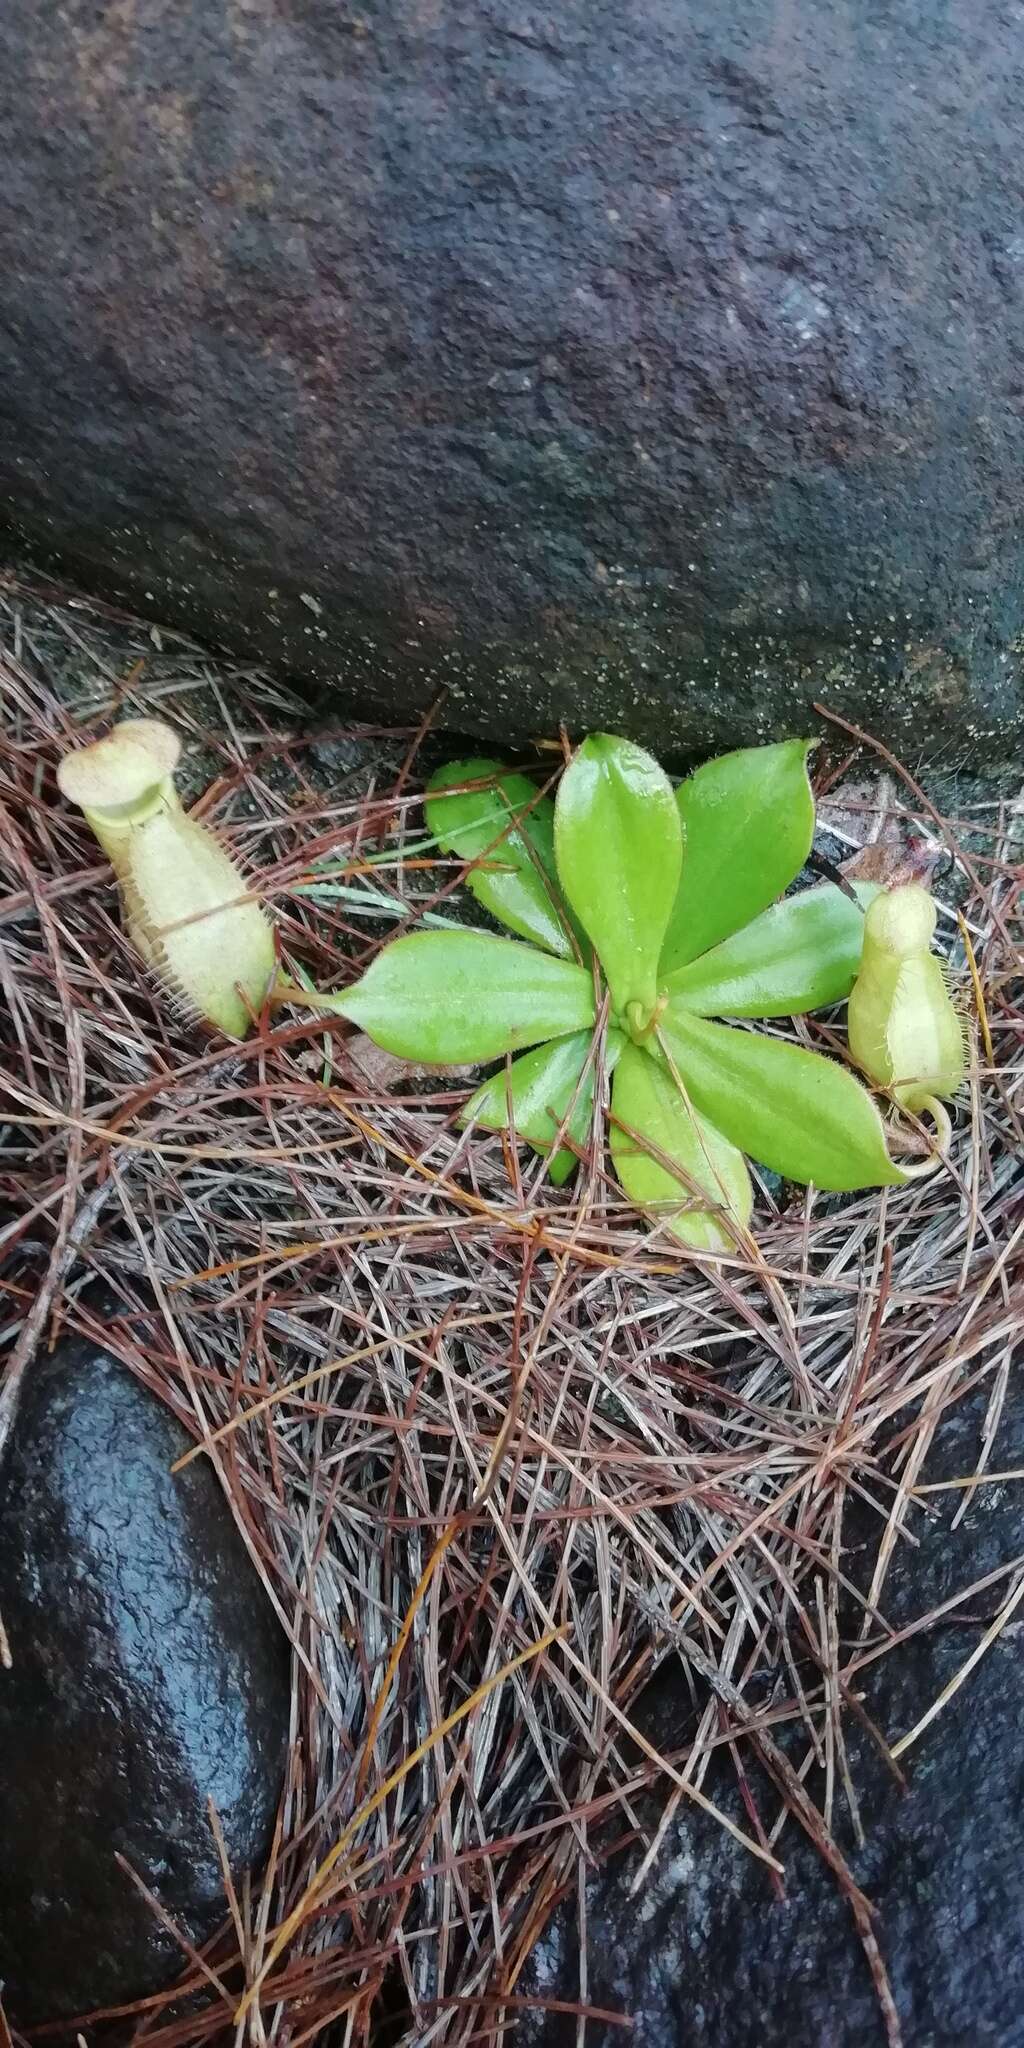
<point>350,1291</point>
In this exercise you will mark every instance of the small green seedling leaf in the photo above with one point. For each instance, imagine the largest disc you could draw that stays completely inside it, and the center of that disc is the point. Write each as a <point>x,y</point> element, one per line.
<point>455,998</point>
<point>802,954</point>
<point>618,844</point>
<point>904,1031</point>
<point>538,1089</point>
<point>655,1131</point>
<point>748,821</point>
<point>508,827</point>
<point>802,1115</point>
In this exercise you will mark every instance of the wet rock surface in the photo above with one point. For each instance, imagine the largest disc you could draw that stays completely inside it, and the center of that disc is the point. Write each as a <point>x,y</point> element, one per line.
<point>704,1957</point>
<point>148,1677</point>
<point>643,365</point>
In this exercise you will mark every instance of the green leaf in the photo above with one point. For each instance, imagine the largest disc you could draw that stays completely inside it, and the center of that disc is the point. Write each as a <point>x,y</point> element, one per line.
<point>539,1088</point>
<point>464,997</point>
<point>517,881</point>
<point>618,844</point>
<point>748,821</point>
<point>652,1118</point>
<point>796,1112</point>
<point>800,955</point>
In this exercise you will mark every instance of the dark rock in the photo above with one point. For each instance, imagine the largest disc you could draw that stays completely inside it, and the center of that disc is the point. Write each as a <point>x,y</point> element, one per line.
<point>704,1957</point>
<point>149,1676</point>
<point>647,365</point>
